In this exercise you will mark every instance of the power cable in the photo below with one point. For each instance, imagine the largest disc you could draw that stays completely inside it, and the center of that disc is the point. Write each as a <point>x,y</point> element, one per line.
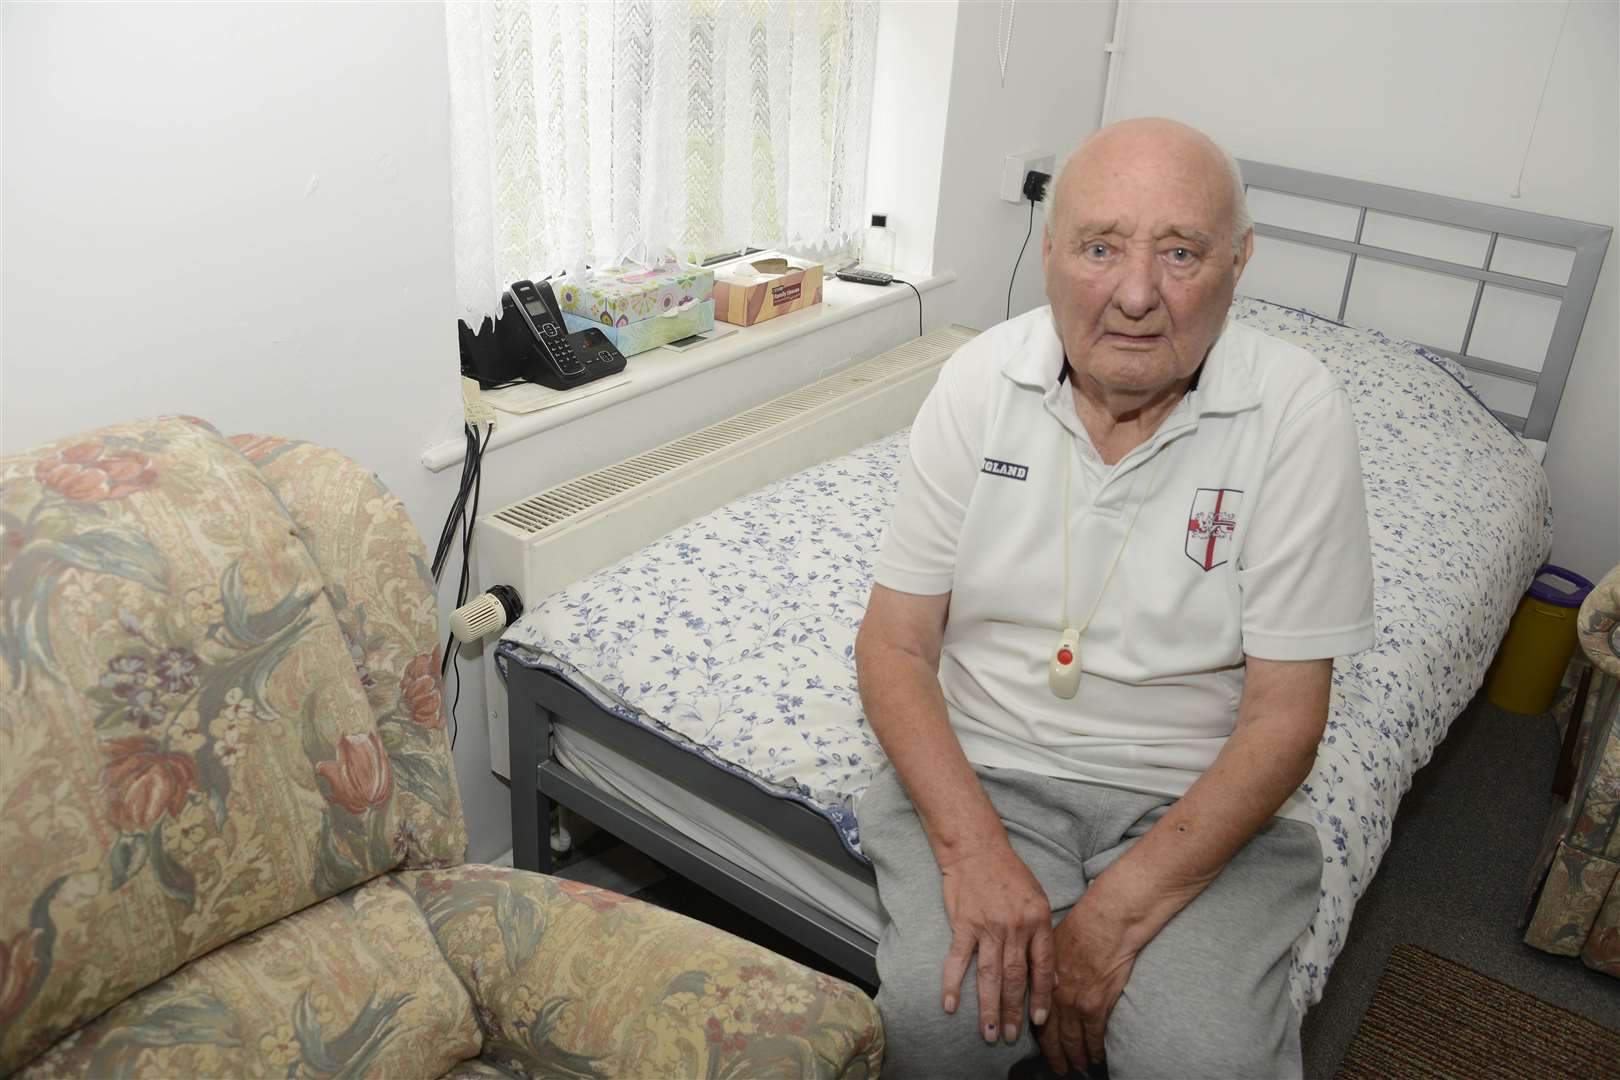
<point>1027,234</point>
<point>1035,183</point>
<point>913,288</point>
<point>463,517</point>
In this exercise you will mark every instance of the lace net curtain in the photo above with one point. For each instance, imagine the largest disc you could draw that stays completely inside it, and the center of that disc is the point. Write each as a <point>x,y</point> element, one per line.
<point>594,131</point>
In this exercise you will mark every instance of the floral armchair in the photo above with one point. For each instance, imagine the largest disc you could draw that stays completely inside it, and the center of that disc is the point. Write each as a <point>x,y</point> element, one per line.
<point>231,833</point>
<point>1574,892</point>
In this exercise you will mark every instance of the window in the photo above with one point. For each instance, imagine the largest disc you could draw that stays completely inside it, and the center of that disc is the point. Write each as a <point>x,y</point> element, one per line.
<point>599,131</point>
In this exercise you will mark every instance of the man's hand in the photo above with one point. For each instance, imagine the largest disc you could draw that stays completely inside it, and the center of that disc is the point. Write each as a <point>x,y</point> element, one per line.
<point>1094,962</point>
<point>998,911</point>
<point>1280,721</point>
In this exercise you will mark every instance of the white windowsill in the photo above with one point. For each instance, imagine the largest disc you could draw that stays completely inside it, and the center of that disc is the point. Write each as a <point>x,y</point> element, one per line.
<point>657,368</point>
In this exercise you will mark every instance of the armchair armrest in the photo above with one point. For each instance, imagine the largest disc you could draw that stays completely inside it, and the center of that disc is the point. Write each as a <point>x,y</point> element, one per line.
<point>567,979</point>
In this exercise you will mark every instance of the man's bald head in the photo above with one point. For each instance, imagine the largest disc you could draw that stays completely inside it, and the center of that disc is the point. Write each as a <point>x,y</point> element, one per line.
<point>1169,142</point>
<point>1142,254</point>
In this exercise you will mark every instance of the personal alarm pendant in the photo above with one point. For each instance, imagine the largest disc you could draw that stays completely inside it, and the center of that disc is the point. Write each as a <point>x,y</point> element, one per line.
<point>1063,676</point>
<point>1065,673</point>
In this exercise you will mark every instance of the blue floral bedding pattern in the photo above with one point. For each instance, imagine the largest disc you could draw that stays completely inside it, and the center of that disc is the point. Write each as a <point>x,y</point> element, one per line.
<point>733,636</point>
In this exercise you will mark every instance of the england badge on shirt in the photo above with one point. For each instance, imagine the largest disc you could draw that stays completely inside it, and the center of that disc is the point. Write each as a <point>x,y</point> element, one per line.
<point>1210,525</point>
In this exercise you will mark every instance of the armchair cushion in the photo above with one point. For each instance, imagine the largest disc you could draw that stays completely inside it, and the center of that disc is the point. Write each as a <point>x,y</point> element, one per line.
<point>353,986</point>
<point>186,751</point>
<point>568,980</point>
<point>379,585</point>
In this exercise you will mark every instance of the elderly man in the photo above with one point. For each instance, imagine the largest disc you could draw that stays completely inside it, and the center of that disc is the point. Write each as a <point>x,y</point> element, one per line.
<point>1130,539</point>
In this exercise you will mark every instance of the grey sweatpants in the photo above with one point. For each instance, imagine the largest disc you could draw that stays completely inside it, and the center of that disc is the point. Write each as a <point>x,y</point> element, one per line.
<point>1207,997</point>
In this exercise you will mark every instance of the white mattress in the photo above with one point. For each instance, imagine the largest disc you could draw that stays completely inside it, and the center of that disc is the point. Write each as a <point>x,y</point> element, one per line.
<point>734,636</point>
<point>847,895</point>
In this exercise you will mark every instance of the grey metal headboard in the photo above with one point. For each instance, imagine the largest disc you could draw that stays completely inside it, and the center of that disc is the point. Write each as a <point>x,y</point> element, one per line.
<point>1588,242</point>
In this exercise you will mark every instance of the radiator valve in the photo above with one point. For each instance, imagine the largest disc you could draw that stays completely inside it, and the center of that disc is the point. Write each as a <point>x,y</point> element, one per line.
<point>485,614</point>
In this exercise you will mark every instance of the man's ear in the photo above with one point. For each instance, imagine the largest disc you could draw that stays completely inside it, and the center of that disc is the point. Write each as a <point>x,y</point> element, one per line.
<point>1241,257</point>
<point>1046,247</point>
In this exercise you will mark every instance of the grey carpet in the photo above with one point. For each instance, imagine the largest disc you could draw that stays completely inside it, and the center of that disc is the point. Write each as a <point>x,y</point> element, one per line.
<point>1453,881</point>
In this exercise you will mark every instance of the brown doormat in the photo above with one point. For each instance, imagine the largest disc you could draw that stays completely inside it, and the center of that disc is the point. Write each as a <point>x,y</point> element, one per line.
<point>1432,1018</point>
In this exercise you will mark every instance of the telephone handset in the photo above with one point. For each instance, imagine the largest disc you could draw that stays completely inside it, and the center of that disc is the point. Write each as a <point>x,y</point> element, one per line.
<point>551,355</point>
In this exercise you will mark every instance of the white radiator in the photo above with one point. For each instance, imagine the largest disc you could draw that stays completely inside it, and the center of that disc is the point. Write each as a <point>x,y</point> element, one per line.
<point>551,539</point>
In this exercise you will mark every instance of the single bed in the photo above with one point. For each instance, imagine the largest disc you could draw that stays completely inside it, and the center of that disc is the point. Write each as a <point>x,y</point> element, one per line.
<point>698,697</point>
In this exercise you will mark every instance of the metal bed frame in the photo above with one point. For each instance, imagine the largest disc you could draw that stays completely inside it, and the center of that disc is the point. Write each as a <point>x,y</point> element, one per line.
<point>541,702</point>
<point>1589,243</point>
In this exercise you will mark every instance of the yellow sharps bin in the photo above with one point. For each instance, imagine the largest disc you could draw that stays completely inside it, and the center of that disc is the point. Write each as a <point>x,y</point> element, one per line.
<point>1528,667</point>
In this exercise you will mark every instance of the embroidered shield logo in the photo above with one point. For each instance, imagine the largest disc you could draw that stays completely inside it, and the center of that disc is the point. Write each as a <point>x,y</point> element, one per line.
<point>1210,525</point>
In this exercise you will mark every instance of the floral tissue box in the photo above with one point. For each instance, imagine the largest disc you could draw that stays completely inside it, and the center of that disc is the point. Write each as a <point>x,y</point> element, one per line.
<point>621,295</point>
<point>632,338</point>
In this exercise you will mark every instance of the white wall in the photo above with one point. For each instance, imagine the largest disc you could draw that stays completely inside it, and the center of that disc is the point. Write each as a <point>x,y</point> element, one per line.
<point>1438,97</point>
<point>910,94</point>
<point>1053,94</point>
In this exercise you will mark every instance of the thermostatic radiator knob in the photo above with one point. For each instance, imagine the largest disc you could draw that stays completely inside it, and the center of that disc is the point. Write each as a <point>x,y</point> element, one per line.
<point>486,614</point>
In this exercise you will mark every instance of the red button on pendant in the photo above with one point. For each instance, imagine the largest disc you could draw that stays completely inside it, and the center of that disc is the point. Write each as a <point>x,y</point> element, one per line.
<point>1065,657</point>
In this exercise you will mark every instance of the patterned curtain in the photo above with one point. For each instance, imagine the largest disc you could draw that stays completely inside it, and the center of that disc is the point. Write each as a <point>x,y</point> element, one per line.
<point>594,131</point>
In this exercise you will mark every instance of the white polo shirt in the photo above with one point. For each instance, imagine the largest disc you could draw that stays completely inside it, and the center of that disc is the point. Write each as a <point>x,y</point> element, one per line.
<point>1253,539</point>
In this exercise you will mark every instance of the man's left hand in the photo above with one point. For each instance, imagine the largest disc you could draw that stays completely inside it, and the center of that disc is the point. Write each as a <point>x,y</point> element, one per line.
<point>1093,964</point>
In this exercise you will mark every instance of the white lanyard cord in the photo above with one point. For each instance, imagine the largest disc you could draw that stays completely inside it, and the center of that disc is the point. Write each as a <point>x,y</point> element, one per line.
<point>1068,472</point>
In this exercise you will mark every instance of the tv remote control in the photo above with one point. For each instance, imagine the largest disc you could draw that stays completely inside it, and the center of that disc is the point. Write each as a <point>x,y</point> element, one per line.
<point>864,277</point>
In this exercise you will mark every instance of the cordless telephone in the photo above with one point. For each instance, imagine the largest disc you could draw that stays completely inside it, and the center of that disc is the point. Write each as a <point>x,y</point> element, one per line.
<point>551,355</point>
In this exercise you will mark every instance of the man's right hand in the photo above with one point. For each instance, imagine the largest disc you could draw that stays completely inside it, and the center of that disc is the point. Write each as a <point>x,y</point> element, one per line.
<point>999,912</point>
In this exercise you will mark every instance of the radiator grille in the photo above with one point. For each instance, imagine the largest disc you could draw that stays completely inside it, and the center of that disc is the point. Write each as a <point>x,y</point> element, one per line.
<point>556,505</point>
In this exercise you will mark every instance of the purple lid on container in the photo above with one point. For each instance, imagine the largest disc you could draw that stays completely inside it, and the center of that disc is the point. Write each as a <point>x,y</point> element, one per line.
<point>1546,587</point>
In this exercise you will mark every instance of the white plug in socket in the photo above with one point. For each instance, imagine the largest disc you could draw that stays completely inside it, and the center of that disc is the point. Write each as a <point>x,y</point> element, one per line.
<point>1014,167</point>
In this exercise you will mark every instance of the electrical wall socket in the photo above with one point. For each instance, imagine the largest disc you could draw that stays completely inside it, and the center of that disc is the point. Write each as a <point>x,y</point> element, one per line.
<point>1015,166</point>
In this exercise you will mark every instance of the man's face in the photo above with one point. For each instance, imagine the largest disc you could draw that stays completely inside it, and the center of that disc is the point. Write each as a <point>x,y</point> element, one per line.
<point>1140,268</point>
